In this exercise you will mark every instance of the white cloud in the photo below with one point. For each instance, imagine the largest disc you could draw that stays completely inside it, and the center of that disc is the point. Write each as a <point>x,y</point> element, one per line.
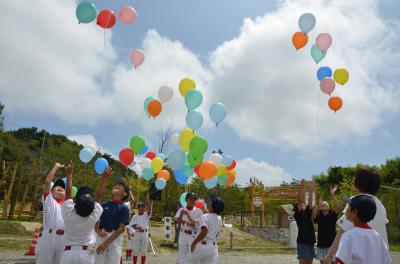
<point>89,140</point>
<point>268,174</point>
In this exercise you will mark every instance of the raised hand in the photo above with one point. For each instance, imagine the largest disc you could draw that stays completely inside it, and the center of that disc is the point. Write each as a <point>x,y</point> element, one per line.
<point>107,172</point>
<point>334,189</point>
<point>69,169</point>
<point>58,166</point>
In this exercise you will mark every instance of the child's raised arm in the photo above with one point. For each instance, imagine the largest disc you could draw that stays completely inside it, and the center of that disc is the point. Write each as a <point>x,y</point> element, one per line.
<point>102,185</point>
<point>50,176</point>
<point>69,170</point>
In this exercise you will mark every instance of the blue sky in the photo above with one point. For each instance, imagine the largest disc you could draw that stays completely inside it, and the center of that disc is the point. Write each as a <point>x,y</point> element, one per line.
<point>211,31</point>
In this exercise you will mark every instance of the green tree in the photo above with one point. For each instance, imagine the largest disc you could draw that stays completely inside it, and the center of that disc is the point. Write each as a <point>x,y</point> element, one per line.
<point>1,117</point>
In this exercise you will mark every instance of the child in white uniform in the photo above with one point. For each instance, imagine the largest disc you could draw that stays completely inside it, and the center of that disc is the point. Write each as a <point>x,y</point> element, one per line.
<point>129,243</point>
<point>188,218</point>
<point>140,225</point>
<point>80,219</point>
<point>51,243</point>
<point>204,248</point>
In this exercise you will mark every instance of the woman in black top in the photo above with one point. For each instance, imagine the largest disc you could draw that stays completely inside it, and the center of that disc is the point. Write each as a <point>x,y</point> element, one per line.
<point>306,235</point>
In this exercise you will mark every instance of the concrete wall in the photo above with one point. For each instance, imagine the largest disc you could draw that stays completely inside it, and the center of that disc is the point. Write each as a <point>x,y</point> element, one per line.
<point>279,235</point>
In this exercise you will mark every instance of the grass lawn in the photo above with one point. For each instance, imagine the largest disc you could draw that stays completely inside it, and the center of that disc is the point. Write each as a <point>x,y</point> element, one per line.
<point>395,247</point>
<point>14,236</point>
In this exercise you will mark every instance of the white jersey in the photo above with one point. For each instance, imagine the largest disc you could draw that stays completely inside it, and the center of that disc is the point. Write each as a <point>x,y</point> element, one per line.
<point>195,213</point>
<point>79,230</point>
<point>378,223</point>
<point>362,245</point>
<point>52,217</point>
<point>141,221</point>
<point>213,223</point>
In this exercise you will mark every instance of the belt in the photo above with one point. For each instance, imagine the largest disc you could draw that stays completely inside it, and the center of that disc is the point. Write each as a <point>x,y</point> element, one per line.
<point>59,232</point>
<point>205,243</point>
<point>70,247</point>
<point>108,230</point>
<point>144,231</point>
<point>188,232</point>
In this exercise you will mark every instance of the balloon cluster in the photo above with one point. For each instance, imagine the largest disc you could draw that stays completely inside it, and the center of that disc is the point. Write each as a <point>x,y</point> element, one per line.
<point>153,107</point>
<point>327,84</point>
<point>87,154</point>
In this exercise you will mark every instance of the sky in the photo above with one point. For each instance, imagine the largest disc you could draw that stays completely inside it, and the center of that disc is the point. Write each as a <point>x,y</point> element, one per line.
<point>77,80</point>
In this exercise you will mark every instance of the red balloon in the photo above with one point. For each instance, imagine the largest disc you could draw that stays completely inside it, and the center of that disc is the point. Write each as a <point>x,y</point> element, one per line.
<point>106,19</point>
<point>199,204</point>
<point>197,170</point>
<point>233,165</point>
<point>151,155</point>
<point>126,156</point>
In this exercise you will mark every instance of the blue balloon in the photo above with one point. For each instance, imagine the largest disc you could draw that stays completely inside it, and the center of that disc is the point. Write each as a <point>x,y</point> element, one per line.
<point>148,174</point>
<point>187,171</point>
<point>194,119</point>
<point>324,72</point>
<point>217,113</point>
<point>211,183</point>
<point>193,99</point>
<point>100,165</point>
<point>182,199</point>
<point>146,102</point>
<point>161,183</point>
<point>307,22</point>
<point>227,160</point>
<point>222,180</point>
<point>86,155</point>
<point>161,156</point>
<point>176,159</point>
<point>180,177</point>
<point>145,149</point>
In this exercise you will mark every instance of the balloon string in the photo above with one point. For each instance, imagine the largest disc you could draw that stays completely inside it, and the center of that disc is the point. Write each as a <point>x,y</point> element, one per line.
<point>318,130</point>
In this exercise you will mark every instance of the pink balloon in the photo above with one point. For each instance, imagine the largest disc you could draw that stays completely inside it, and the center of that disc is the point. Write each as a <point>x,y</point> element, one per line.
<point>327,85</point>
<point>137,57</point>
<point>127,15</point>
<point>323,41</point>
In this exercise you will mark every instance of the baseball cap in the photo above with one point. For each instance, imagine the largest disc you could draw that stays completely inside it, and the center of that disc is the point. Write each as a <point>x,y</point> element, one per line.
<point>84,203</point>
<point>217,204</point>
<point>119,181</point>
<point>191,195</point>
<point>59,182</point>
<point>365,205</point>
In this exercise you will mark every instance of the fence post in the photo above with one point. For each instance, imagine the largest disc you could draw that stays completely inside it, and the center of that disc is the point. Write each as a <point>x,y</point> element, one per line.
<point>231,241</point>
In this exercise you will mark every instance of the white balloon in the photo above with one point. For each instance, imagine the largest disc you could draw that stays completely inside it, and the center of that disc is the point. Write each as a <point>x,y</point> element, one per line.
<point>165,93</point>
<point>145,163</point>
<point>92,147</point>
<point>216,158</point>
<point>174,138</point>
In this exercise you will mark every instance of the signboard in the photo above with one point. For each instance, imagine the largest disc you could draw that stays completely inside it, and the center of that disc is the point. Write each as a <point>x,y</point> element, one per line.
<point>257,201</point>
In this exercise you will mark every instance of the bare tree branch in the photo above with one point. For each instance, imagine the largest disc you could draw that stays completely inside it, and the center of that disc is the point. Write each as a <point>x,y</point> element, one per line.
<point>164,137</point>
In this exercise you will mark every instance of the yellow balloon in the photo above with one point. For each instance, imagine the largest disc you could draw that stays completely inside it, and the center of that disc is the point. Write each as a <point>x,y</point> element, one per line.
<point>341,76</point>
<point>157,164</point>
<point>185,137</point>
<point>233,172</point>
<point>186,85</point>
<point>222,170</point>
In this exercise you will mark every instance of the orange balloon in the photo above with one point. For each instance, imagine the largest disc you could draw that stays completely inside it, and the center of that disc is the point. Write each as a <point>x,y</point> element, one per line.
<point>164,174</point>
<point>207,170</point>
<point>231,178</point>
<point>335,103</point>
<point>154,108</point>
<point>299,40</point>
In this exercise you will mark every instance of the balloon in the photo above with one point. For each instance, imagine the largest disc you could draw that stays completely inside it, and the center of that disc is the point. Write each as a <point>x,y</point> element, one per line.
<point>127,15</point>
<point>182,199</point>
<point>198,146</point>
<point>157,164</point>
<point>323,41</point>
<point>232,166</point>
<point>217,113</point>
<point>154,108</point>
<point>174,138</point>
<point>227,160</point>
<point>126,156</point>
<point>137,57</point>
<point>186,85</point>
<point>216,158</point>
<point>327,85</point>
<point>148,174</point>
<point>144,150</point>
<point>207,170</point>
<point>197,170</point>
<point>106,19</point>
<point>335,103</point>
<point>137,144</point>
<point>185,137</point>
<point>211,183</point>
<point>307,22</point>
<point>193,99</point>
<point>92,148</point>
<point>86,155</point>
<point>186,170</point>
<point>324,72</point>
<point>86,12</point>
<point>199,204</point>
<point>74,191</point>
<point>165,93</point>
<point>176,159</point>
<point>161,156</point>
<point>146,102</point>
<point>222,170</point>
<point>222,180</point>
<point>100,165</point>
<point>151,155</point>
<point>180,177</point>
<point>160,184</point>
<point>194,162</point>
<point>299,40</point>
<point>145,163</point>
<point>231,176</point>
<point>341,76</point>
<point>164,174</point>
<point>194,119</point>
<point>316,54</point>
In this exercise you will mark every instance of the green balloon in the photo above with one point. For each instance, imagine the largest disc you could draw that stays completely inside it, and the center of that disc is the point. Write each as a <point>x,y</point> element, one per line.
<point>194,162</point>
<point>86,12</point>
<point>74,191</point>
<point>198,146</point>
<point>137,144</point>
<point>316,54</point>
